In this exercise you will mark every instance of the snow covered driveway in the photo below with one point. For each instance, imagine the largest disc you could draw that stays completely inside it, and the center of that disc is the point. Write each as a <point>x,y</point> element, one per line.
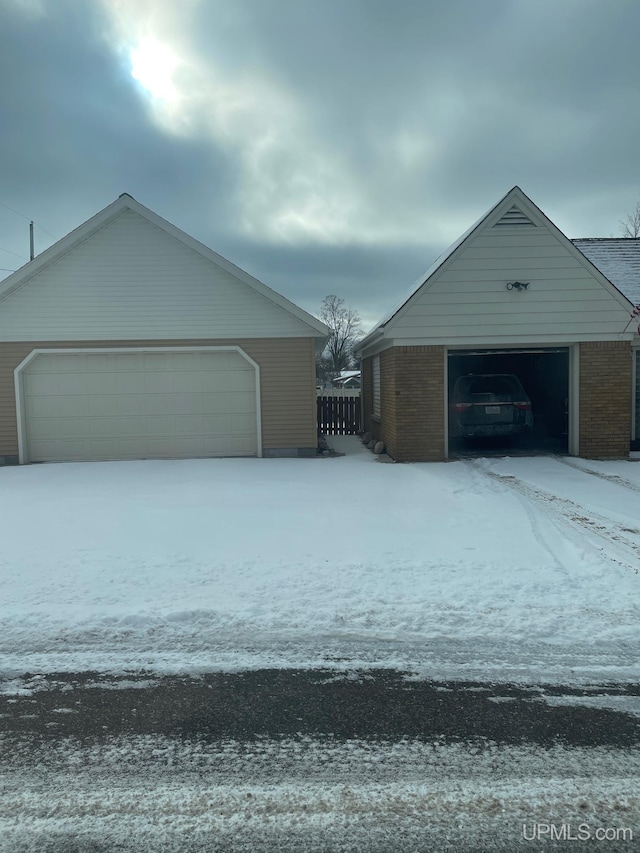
<point>502,568</point>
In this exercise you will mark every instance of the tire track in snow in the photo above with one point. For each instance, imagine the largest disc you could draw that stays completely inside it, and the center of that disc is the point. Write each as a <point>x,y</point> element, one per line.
<point>538,519</point>
<point>610,478</point>
<point>605,528</point>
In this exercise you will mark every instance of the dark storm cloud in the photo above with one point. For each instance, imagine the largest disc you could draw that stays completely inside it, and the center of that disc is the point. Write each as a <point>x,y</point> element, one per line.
<point>76,132</point>
<point>485,95</point>
<point>368,277</point>
<point>542,94</point>
<point>390,125</point>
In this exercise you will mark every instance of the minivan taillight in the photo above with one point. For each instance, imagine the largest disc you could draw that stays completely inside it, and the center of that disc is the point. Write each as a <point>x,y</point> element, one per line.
<point>522,406</point>
<point>462,407</point>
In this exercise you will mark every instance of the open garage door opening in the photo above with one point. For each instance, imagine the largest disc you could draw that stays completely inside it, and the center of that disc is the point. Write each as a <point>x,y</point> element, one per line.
<point>504,401</point>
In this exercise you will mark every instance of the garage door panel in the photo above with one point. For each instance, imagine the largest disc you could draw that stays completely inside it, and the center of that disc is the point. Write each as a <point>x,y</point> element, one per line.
<point>73,406</point>
<point>216,424</point>
<point>213,404</point>
<point>184,361</point>
<point>126,404</point>
<point>241,402</point>
<point>102,363</point>
<point>223,361</point>
<point>42,429</point>
<point>160,425</point>
<point>185,404</point>
<point>189,425</point>
<point>244,381</point>
<point>191,382</point>
<point>70,428</point>
<point>102,382</point>
<point>160,446</point>
<point>103,427</point>
<point>215,381</point>
<point>152,361</point>
<point>63,363</point>
<point>128,448</point>
<point>157,382</point>
<point>53,407</point>
<point>131,382</point>
<point>123,362</point>
<point>54,449</point>
<point>130,427</point>
<point>243,424</point>
<point>100,406</point>
<point>139,405</point>
<point>242,445</point>
<point>41,384</point>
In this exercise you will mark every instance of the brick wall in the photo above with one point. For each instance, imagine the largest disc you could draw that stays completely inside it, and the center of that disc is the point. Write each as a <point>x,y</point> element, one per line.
<point>388,400</point>
<point>366,395</point>
<point>420,403</point>
<point>605,399</point>
<point>411,402</point>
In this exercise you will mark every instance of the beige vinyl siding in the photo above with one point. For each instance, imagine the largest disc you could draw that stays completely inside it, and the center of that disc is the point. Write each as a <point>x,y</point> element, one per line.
<point>287,372</point>
<point>133,280</point>
<point>467,300</point>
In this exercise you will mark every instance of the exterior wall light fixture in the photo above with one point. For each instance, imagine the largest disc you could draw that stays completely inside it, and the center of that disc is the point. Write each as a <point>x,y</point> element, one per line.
<point>517,285</point>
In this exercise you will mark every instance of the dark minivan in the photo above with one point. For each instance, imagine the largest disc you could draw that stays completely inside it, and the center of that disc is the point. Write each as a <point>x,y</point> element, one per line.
<point>489,404</point>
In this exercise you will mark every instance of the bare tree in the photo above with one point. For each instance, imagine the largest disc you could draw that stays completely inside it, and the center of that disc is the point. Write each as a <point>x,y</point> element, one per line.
<point>345,325</point>
<point>631,225</point>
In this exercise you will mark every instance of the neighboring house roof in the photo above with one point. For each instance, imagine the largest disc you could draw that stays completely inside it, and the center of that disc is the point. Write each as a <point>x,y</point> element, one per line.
<point>512,204</point>
<point>618,258</point>
<point>126,205</point>
<point>347,378</point>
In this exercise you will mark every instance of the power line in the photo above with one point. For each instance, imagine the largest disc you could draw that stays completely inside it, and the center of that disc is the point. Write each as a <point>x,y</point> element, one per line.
<point>28,218</point>
<point>9,252</point>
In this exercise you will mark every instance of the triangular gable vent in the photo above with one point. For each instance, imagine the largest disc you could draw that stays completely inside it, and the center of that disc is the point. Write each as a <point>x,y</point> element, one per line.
<point>514,216</point>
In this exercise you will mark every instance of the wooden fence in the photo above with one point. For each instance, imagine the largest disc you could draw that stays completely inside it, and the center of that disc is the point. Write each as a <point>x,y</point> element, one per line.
<point>338,415</point>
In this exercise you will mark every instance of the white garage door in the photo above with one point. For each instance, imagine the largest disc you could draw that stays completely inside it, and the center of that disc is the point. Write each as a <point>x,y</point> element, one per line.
<point>139,405</point>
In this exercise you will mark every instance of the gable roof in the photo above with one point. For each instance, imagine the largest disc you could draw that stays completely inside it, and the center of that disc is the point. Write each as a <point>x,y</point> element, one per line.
<point>510,210</point>
<point>126,202</point>
<point>618,258</point>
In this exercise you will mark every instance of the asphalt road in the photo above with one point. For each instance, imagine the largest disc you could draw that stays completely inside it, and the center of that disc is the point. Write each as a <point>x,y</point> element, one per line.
<point>314,761</point>
<point>381,704</point>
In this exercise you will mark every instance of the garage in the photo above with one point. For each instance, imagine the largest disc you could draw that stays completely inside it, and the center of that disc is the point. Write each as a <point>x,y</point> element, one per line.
<point>538,422</point>
<point>162,403</point>
<point>511,297</point>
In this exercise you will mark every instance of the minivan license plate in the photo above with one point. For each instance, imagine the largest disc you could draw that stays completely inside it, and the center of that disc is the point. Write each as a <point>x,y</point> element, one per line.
<point>492,410</point>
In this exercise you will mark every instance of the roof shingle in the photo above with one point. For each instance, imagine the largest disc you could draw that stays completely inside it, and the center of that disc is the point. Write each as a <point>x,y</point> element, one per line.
<point>618,258</point>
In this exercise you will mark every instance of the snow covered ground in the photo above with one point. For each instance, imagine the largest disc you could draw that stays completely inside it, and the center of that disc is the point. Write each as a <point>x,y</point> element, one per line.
<point>496,568</point>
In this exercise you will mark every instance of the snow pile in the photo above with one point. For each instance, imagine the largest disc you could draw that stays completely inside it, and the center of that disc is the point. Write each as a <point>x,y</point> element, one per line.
<point>518,568</point>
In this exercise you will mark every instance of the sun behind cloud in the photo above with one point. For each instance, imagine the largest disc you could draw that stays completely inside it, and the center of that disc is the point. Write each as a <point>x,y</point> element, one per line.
<point>153,65</point>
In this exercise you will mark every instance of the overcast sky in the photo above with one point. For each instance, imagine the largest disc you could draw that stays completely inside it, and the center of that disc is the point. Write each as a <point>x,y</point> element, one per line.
<point>325,146</point>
